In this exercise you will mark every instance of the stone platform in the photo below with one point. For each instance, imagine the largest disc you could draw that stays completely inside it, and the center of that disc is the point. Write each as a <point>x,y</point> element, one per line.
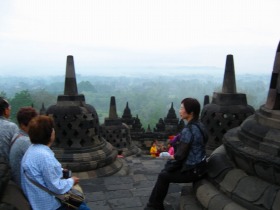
<point>131,186</point>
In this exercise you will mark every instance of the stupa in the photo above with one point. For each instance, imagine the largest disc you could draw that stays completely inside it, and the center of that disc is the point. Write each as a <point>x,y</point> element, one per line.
<point>171,122</point>
<point>118,133</point>
<point>79,145</point>
<point>244,172</point>
<point>227,110</point>
<point>127,116</point>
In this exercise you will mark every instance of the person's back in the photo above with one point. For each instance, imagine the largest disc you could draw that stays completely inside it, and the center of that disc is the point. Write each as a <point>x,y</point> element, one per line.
<point>17,151</point>
<point>7,128</point>
<point>20,141</point>
<point>11,196</point>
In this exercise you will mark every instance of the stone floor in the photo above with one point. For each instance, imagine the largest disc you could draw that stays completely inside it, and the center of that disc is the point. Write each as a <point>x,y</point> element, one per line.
<point>131,186</point>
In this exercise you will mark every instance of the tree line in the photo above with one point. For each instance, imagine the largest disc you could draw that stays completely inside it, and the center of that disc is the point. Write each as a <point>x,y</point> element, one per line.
<point>149,97</point>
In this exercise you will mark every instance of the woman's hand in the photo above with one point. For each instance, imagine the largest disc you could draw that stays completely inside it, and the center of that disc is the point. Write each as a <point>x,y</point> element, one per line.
<point>76,179</point>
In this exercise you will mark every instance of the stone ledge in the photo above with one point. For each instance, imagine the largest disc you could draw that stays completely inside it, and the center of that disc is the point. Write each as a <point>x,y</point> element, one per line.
<point>207,194</point>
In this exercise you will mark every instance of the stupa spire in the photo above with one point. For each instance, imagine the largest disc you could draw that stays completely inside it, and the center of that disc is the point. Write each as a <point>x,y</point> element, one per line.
<point>43,109</point>
<point>273,98</point>
<point>229,84</point>
<point>206,100</point>
<point>113,108</point>
<point>70,87</point>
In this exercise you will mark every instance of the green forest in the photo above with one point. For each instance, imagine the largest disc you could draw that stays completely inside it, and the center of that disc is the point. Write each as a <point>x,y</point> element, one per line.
<point>148,97</point>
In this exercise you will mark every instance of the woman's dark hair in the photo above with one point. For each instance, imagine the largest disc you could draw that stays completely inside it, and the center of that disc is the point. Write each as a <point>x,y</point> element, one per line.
<point>192,106</point>
<point>40,129</point>
<point>3,105</point>
<point>25,114</point>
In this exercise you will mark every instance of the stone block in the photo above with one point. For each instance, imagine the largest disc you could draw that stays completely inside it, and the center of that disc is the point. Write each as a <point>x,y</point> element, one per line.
<point>218,202</point>
<point>119,186</point>
<point>265,171</point>
<point>269,148</point>
<point>96,196</point>
<point>244,163</point>
<point>218,163</point>
<point>100,205</point>
<point>118,194</point>
<point>139,177</point>
<point>276,203</point>
<point>143,184</point>
<point>250,188</point>
<point>125,203</point>
<point>268,197</point>
<point>231,180</point>
<point>142,192</point>
<point>205,193</point>
<point>233,206</point>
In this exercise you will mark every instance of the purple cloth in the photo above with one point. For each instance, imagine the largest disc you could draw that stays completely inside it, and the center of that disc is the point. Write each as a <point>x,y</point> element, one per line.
<point>175,139</point>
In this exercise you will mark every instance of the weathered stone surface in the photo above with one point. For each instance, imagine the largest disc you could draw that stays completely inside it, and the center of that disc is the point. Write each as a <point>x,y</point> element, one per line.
<point>254,147</point>
<point>96,196</point>
<point>112,194</point>
<point>217,164</point>
<point>100,205</point>
<point>234,206</point>
<point>139,177</point>
<point>188,200</point>
<point>231,180</point>
<point>219,202</point>
<point>205,192</point>
<point>268,197</point>
<point>276,203</point>
<point>250,188</point>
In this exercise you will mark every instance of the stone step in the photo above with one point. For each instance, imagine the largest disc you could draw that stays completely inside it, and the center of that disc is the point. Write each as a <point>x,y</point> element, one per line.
<point>188,199</point>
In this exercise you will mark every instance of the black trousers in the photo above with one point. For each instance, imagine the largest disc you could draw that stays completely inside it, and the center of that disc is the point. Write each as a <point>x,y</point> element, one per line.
<point>161,187</point>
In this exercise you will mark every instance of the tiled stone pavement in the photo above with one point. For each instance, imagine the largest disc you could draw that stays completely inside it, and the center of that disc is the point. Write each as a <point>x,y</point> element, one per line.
<point>131,186</point>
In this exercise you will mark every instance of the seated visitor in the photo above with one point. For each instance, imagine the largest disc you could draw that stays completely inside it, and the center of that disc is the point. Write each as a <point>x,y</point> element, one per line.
<point>7,128</point>
<point>170,149</point>
<point>11,196</point>
<point>191,151</point>
<point>20,141</point>
<point>153,149</point>
<point>40,165</point>
<point>159,147</point>
<point>120,154</point>
<point>164,153</point>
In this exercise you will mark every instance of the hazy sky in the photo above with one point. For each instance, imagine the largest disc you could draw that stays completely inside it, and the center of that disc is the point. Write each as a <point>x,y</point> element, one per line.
<point>103,35</point>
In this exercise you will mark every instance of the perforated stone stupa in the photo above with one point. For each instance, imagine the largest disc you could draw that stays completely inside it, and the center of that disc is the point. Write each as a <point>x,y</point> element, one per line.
<point>255,145</point>
<point>79,145</point>
<point>227,110</point>
<point>118,133</point>
<point>244,172</point>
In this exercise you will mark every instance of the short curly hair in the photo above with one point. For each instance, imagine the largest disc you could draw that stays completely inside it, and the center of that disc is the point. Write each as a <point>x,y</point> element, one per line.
<point>40,129</point>
<point>25,114</point>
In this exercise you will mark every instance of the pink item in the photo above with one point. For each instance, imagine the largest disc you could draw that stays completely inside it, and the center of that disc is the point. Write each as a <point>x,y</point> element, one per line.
<point>171,151</point>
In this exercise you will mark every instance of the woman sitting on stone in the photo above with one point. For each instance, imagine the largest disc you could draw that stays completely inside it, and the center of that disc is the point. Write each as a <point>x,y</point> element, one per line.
<point>191,151</point>
<point>40,165</point>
